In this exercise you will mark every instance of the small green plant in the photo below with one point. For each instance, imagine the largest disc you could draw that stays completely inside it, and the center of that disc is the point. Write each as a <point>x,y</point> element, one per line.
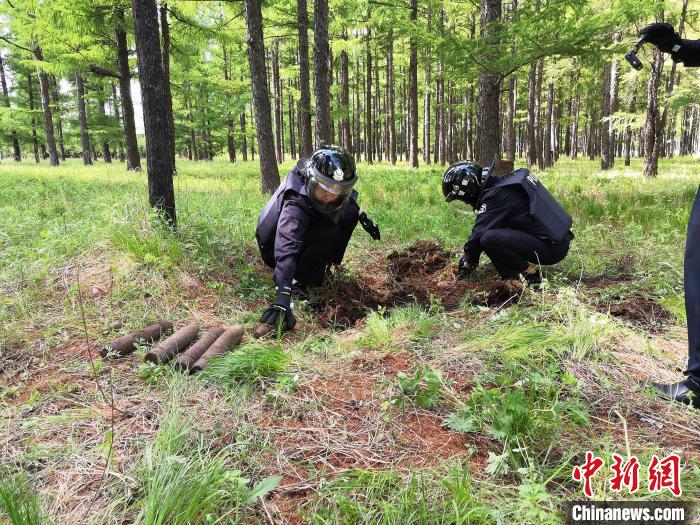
<point>281,391</point>
<point>19,502</point>
<point>523,415</point>
<point>423,387</point>
<point>154,374</point>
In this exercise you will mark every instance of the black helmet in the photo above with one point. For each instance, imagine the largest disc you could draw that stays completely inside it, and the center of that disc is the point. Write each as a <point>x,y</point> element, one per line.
<point>330,171</point>
<point>463,181</point>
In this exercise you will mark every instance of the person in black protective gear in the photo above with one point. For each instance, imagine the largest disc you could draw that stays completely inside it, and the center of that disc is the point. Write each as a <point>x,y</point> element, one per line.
<point>518,222</point>
<point>687,391</point>
<point>664,37</point>
<point>306,226</point>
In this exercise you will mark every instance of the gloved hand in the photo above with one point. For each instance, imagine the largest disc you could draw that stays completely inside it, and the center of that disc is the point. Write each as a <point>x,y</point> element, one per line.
<point>464,270</point>
<point>369,226</point>
<point>662,35</point>
<point>281,309</point>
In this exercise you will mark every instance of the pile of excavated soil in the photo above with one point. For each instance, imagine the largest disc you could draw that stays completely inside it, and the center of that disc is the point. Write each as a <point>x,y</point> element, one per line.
<point>639,311</point>
<point>423,273</point>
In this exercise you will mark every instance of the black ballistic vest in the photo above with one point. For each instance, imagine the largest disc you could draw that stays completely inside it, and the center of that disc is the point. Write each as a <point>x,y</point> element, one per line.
<point>544,208</point>
<point>270,214</point>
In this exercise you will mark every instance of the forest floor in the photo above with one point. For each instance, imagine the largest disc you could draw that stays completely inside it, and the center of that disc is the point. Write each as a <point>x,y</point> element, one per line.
<point>402,396</point>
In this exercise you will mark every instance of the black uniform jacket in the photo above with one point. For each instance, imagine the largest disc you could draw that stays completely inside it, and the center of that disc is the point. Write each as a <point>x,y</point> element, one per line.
<point>296,215</point>
<point>689,53</point>
<point>505,207</point>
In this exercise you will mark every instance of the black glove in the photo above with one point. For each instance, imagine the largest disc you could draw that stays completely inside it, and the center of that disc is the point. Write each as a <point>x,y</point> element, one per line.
<point>369,226</point>
<point>662,35</point>
<point>463,269</point>
<point>281,309</point>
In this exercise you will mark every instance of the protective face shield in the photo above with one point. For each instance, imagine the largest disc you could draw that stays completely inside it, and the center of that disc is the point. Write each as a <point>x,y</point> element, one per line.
<point>327,197</point>
<point>331,178</point>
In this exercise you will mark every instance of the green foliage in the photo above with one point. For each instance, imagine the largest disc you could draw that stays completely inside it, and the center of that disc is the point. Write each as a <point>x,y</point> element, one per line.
<point>247,363</point>
<point>19,502</point>
<point>524,415</point>
<point>387,330</point>
<point>423,386</point>
<point>388,498</point>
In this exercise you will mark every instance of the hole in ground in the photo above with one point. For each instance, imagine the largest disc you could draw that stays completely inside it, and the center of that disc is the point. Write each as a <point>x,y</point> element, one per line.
<point>422,273</point>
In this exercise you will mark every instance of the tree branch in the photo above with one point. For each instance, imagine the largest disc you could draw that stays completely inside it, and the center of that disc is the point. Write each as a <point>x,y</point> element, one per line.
<point>16,44</point>
<point>103,72</point>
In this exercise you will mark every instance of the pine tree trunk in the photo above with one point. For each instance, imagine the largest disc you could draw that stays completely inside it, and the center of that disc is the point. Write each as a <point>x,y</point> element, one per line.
<point>628,138</point>
<point>279,143</point>
<point>165,30</point>
<point>670,86</point>
<point>82,119</point>
<point>376,117</point>
<point>531,118</point>
<point>292,123</point>
<point>574,127</point>
<point>321,73</point>
<point>605,131</point>
<point>413,89</point>
<point>160,161</point>
<point>193,148</point>
<point>244,137</point>
<point>614,81</point>
<point>548,162</point>
<point>305,132</point>
<point>345,138</point>
<point>230,142</point>
<point>46,105</point>
<point>651,126</point>
<point>426,96</point>
<point>369,157</point>
<point>30,92</point>
<point>470,122</point>
<point>115,103</point>
<point>17,153</point>
<point>261,97</point>
<point>487,113</point>
<point>133,158</point>
<point>356,121</point>
<point>538,114</point>
<point>512,94</point>
<point>390,95</point>
<point>106,154</point>
<point>57,111</point>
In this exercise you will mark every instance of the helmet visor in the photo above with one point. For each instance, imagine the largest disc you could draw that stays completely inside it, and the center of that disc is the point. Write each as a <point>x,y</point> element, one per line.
<point>328,197</point>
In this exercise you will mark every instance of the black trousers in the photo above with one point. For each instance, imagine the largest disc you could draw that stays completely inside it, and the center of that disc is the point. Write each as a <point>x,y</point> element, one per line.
<point>323,243</point>
<point>511,251</point>
<point>692,290</point>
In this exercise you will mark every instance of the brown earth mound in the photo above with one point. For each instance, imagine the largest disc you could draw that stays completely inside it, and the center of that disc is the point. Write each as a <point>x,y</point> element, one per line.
<point>646,313</point>
<point>423,273</point>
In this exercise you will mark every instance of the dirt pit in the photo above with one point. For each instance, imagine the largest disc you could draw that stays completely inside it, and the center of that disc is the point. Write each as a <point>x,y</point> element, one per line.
<point>645,313</point>
<point>423,273</point>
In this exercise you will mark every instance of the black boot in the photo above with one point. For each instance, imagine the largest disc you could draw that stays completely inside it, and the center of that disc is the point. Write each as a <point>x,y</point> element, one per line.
<point>686,392</point>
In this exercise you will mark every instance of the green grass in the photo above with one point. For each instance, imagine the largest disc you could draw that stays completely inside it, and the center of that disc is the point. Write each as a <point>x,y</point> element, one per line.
<point>545,381</point>
<point>184,479</point>
<point>19,502</point>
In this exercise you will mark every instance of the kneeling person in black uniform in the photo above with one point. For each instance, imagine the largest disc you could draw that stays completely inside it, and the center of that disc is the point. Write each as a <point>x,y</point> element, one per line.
<point>518,222</point>
<point>306,226</point>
